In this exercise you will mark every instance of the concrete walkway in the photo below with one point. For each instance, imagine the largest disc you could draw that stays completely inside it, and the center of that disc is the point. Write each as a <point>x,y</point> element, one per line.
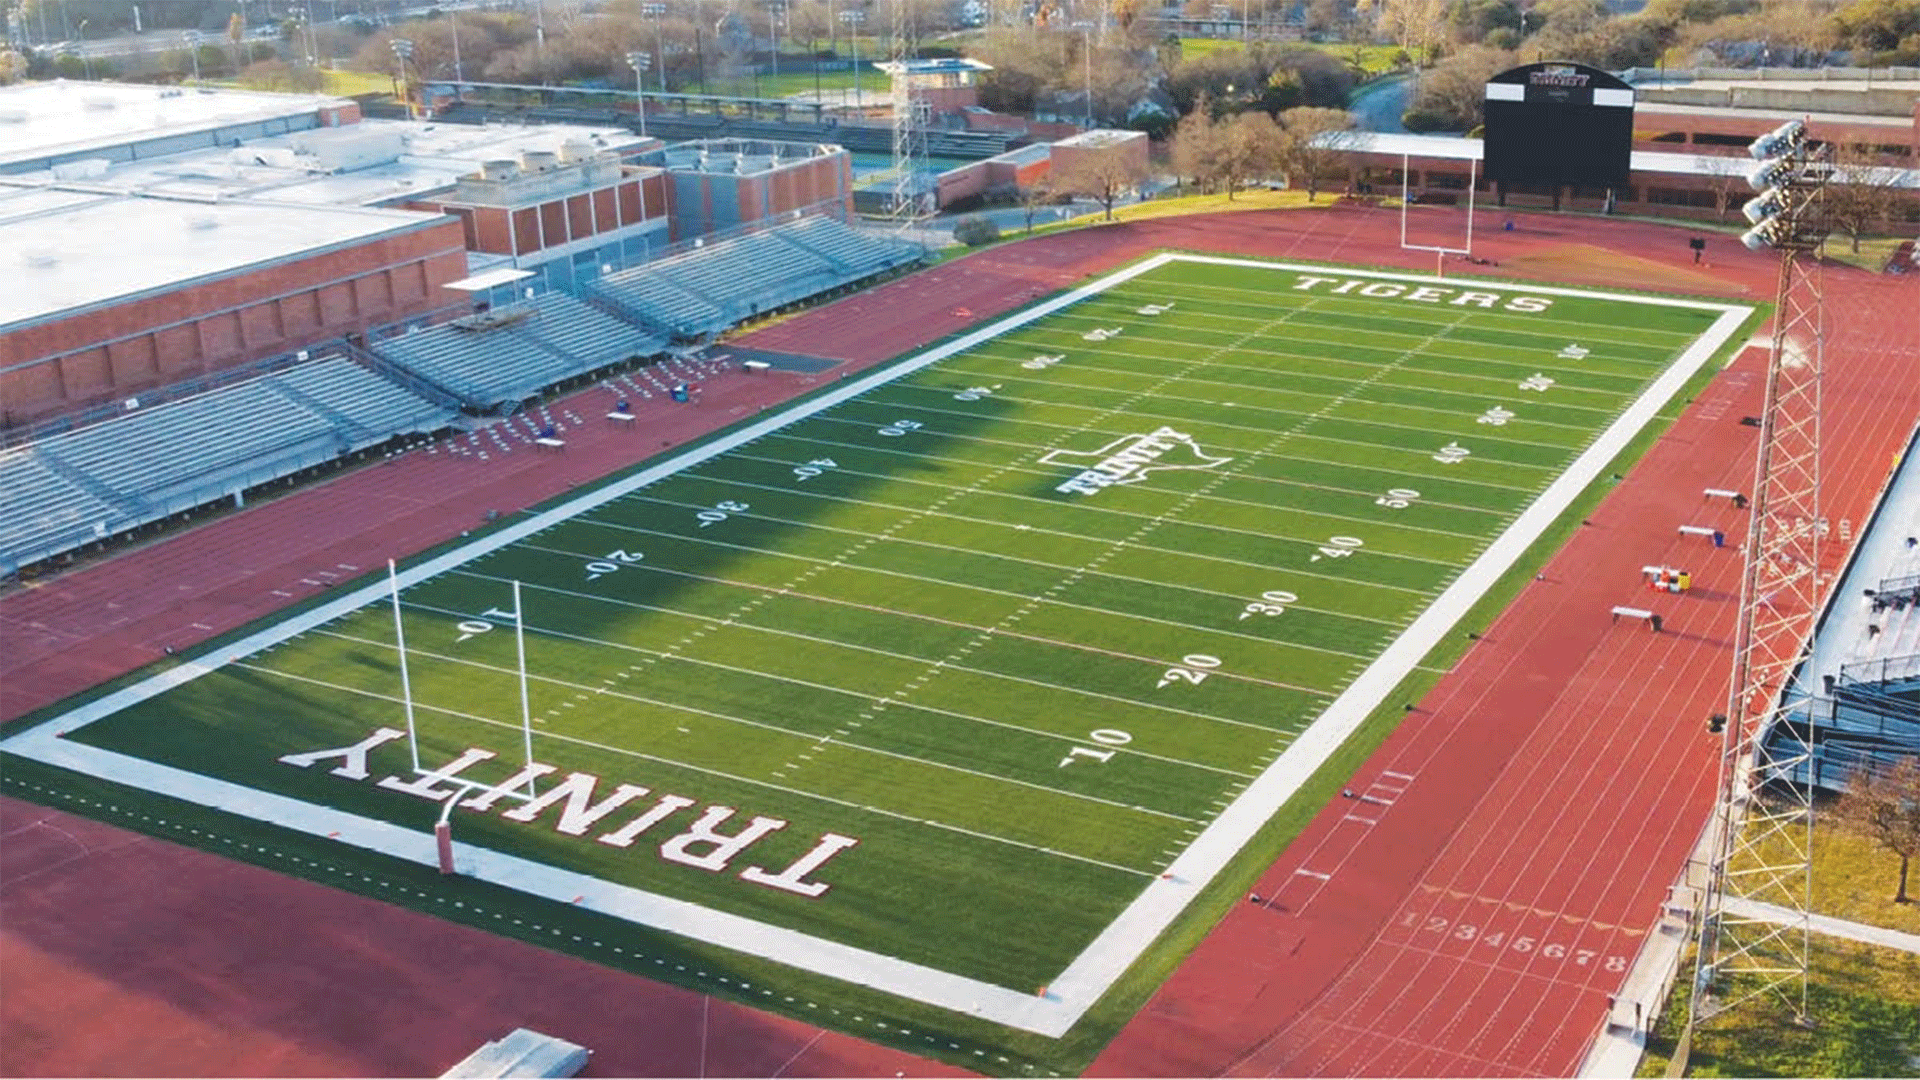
<point>1828,925</point>
<point>1616,1050</point>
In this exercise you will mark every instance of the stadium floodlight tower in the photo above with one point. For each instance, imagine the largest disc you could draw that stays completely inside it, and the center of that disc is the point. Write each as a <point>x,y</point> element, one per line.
<point>1763,833</point>
<point>910,115</point>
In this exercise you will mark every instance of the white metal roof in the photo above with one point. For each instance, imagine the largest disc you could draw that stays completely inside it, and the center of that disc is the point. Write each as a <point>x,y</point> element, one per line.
<point>70,250</point>
<point>40,119</point>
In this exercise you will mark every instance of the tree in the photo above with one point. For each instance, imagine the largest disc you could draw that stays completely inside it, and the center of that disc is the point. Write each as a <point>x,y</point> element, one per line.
<point>1314,139</point>
<point>1250,145</point>
<point>1414,25</point>
<point>1862,193</point>
<point>1726,176</point>
<point>809,22</point>
<point>1883,804</point>
<point>1195,146</point>
<point>1036,195</point>
<point>1102,175</point>
<point>1454,93</point>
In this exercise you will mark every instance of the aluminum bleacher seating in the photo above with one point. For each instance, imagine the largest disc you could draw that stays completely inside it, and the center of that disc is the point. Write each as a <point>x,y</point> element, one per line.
<point>511,354</point>
<point>703,291</point>
<point>95,481</point>
<point>42,513</point>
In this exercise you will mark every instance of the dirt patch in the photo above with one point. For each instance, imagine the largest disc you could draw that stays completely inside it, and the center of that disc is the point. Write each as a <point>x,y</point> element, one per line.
<point>1587,264</point>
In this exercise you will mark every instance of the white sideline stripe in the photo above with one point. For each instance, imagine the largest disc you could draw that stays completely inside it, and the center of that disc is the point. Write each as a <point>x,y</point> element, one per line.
<point>1108,956</point>
<point>417,845</point>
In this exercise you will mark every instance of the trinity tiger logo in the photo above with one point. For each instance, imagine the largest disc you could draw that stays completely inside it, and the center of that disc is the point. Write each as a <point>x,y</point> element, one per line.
<point>1128,459</point>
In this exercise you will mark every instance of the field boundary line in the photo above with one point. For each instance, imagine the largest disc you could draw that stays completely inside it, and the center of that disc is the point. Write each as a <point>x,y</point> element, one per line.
<point>1114,949</point>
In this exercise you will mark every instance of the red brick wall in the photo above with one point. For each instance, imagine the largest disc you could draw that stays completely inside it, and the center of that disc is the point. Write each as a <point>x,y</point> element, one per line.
<point>122,350</point>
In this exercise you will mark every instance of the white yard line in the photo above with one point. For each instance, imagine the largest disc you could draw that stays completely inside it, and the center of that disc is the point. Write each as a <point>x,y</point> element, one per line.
<point>1103,961</point>
<point>855,568</point>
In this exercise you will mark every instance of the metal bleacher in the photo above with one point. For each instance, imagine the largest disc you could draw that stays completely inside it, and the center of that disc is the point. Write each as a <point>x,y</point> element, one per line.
<point>511,354</point>
<point>65,490</point>
<point>701,292</point>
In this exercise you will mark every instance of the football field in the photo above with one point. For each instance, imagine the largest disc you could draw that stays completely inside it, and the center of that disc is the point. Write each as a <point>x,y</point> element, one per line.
<point>962,678</point>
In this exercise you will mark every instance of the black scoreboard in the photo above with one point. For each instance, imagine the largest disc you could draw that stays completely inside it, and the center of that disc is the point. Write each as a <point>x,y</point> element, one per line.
<point>1558,123</point>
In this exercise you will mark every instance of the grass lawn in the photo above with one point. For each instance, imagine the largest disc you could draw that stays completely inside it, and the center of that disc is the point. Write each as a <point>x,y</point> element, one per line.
<point>1374,60</point>
<point>949,672</point>
<point>352,83</point>
<point>1865,1006</point>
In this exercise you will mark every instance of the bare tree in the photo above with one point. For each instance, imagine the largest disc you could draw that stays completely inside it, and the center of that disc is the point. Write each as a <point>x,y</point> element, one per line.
<point>810,21</point>
<point>1103,177</point>
<point>1196,145</point>
<point>1414,25</point>
<point>1862,193</point>
<point>1884,806</point>
<point>1250,145</point>
<point>1314,139</point>
<point>1453,95</point>
<point>1036,195</point>
<point>1726,176</point>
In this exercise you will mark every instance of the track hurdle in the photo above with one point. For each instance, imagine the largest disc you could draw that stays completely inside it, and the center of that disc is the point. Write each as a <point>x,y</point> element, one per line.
<point>1652,620</point>
<point>1739,500</point>
<point>1719,538</point>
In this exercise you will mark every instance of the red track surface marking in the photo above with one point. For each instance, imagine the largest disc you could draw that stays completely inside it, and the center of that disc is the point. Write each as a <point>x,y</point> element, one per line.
<point>127,955</point>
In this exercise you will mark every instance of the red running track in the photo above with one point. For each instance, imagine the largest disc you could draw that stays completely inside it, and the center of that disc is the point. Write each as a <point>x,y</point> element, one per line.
<point>1474,919</point>
<point>127,955</point>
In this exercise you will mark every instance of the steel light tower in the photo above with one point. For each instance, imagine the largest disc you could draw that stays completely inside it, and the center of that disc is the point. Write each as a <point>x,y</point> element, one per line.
<point>193,39</point>
<point>853,17</point>
<point>910,115</point>
<point>1764,826</point>
<point>402,50</point>
<point>654,11</point>
<point>639,62</point>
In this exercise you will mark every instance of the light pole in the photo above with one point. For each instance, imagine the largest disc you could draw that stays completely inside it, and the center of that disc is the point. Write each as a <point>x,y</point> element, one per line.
<point>853,17</point>
<point>777,11</point>
<point>86,61</point>
<point>459,74</point>
<point>1087,48</point>
<point>639,62</point>
<point>402,49</point>
<point>193,50</point>
<point>654,11</point>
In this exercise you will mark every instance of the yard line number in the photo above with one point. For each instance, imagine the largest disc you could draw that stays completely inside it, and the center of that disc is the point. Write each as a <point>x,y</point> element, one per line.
<point>811,469</point>
<point>470,627</point>
<point>720,512</point>
<point>1107,738</point>
<point>610,562</point>
<point>901,427</point>
<point>1192,669</point>
<point>1397,498</point>
<point>1271,602</point>
<point>975,393</point>
<point>1338,547</point>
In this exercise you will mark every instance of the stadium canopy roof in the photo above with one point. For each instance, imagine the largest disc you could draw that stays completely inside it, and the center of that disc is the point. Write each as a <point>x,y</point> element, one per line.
<point>488,279</point>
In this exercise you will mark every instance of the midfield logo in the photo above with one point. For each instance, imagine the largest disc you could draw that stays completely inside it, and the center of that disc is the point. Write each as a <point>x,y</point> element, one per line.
<point>1128,459</point>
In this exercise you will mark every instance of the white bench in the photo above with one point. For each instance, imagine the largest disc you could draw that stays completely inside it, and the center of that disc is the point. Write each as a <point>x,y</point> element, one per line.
<point>755,367</point>
<point>548,442</point>
<point>623,417</point>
